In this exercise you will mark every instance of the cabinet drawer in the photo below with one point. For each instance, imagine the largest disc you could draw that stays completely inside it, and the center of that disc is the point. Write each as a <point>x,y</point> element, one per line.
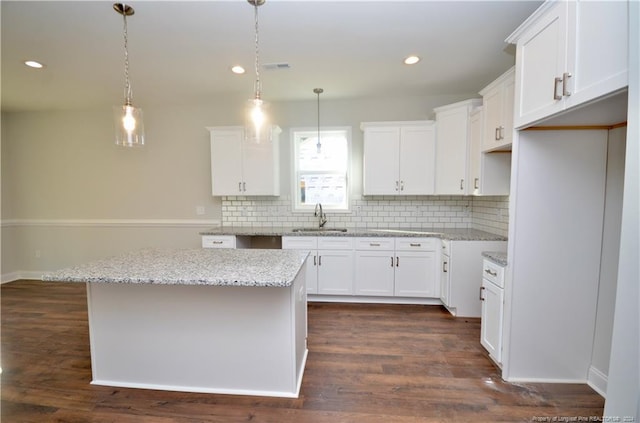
<point>493,273</point>
<point>299,243</point>
<point>335,243</point>
<point>369,243</point>
<point>416,244</point>
<point>219,241</point>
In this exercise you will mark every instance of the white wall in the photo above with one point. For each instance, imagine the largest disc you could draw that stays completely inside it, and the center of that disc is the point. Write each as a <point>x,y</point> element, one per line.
<point>65,184</point>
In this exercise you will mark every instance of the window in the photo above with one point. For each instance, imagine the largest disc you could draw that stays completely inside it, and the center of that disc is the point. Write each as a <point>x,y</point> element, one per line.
<point>321,176</point>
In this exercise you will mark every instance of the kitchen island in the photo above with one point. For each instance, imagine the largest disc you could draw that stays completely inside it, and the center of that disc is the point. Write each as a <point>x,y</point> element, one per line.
<point>215,321</point>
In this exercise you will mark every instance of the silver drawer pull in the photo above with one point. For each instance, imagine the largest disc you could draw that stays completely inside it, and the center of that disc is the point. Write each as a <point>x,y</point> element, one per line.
<point>374,244</point>
<point>218,242</point>
<point>490,272</point>
<point>415,244</point>
<point>481,289</point>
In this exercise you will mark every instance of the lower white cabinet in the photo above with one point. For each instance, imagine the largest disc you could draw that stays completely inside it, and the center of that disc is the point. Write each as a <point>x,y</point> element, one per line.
<point>460,267</point>
<point>330,265</point>
<point>492,297</point>
<point>218,241</point>
<point>401,267</point>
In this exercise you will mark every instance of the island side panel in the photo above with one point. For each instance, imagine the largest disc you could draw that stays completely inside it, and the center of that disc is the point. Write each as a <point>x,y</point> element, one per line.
<point>299,317</point>
<point>235,340</point>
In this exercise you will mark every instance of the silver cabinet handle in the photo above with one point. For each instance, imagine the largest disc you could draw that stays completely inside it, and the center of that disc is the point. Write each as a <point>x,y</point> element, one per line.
<point>565,80</point>
<point>397,185</point>
<point>244,186</point>
<point>397,261</point>
<point>217,242</point>
<point>240,186</point>
<point>556,96</point>
<point>481,289</point>
<point>401,185</point>
<point>490,272</point>
<point>391,261</point>
<point>497,134</point>
<point>444,267</point>
<point>319,260</point>
<point>374,244</point>
<point>461,184</point>
<point>415,244</point>
<point>475,183</point>
<point>314,260</point>
<point>501,131</point>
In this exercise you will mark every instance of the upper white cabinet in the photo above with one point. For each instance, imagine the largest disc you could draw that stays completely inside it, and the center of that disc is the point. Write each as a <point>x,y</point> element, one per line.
<point>497,101</point>
<point>452,147</point>
<point>399,158</point>
<point>489,172</point>
<point>568,53</point>
<point>244,167</point>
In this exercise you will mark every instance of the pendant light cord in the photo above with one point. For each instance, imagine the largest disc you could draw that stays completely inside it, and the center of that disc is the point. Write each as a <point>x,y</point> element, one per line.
<point>127,87</point>
<point>258,88</point>
<point>318,91</point>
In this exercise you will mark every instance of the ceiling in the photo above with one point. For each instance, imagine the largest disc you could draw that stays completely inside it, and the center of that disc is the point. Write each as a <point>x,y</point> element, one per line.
<point>181,52</point>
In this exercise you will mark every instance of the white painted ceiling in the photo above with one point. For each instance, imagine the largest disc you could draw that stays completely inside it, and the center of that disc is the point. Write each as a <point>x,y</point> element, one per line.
<point>181,51</point>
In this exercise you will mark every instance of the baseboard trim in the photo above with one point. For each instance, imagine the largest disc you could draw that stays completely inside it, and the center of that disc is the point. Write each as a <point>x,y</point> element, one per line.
<point>597,381</point>
<point>371,299</point>
<point>21,274</point>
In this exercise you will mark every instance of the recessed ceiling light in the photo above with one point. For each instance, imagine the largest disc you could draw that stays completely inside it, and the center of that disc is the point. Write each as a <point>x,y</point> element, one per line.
<point>411,60</point>
<point>239,70</point>
<point>33,64</point>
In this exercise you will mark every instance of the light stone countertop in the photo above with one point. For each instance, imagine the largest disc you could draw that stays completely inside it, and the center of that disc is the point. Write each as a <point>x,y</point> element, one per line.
<point>443,233</point>
<point>218,267</point>
<point>499,258</point>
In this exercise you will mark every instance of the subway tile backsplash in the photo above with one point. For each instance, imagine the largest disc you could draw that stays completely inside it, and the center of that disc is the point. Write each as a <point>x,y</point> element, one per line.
<point>489,214</point>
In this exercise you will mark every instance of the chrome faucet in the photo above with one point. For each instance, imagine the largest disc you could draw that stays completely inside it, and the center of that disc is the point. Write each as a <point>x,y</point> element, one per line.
<point>322,218</point>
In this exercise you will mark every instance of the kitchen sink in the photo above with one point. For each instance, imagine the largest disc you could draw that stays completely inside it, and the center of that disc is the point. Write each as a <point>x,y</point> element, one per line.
<point>316,230</point>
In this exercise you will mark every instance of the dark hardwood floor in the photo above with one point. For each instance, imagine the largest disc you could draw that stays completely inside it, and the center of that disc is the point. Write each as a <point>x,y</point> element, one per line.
<point>367,363</point>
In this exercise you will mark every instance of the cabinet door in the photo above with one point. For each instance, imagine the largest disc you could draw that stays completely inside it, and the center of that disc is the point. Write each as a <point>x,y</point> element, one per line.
<point>416,274</point>
<point>451,152</point>
<point>492,104</point>
<point>261,167</point>
<point>540,64</point>
<point>417,160</point>
<point>491,319</point>
<point>475,152</point>
<point>226,161</point>
<point>598,65</point>
<point>381,161</point>
<point>374,273</point>
<point>445,281</point>
<point>335,272</point>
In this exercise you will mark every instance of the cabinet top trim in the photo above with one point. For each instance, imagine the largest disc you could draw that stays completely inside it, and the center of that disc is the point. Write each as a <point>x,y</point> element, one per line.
<point>544,7</point>
<point>510,73</point>
<point>472,103</point>
<point>364,125</point>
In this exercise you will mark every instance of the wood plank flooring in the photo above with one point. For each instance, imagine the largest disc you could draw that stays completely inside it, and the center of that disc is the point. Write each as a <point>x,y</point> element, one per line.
<point>367,363</point>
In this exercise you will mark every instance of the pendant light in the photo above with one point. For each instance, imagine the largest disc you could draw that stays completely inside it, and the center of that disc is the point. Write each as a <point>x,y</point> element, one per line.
<point>128,119</point>
<point>257,119</point>
<point>318,91</point>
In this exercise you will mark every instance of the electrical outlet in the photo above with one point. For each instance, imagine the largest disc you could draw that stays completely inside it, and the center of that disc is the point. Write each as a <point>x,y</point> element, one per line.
<point>358,210</point>
<point>38,254</point>
<point>200,210</point>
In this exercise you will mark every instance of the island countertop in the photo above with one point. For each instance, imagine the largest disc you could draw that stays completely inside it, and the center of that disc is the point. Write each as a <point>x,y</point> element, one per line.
<point>218,267</point>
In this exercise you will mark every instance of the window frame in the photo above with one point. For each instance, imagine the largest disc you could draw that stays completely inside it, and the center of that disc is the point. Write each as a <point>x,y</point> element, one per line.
<point>296,207</point>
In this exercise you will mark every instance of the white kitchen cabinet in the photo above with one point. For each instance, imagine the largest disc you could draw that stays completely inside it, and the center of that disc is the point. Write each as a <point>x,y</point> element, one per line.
<point>497,101</point>
<point>244,167</point>
<point>330,268</point>
<point>306,244</point>
<point>398,158</point>
<point>489,172</point>
<point>460,270</point>
<point>569,53</point>
<point>218,241</point>
<point>492,297</point>
<point>452,147</point>
<point>400,267</point>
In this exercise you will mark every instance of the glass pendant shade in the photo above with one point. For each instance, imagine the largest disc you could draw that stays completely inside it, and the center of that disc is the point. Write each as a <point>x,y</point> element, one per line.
<point>129,126</point>
<point>257,126</point>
